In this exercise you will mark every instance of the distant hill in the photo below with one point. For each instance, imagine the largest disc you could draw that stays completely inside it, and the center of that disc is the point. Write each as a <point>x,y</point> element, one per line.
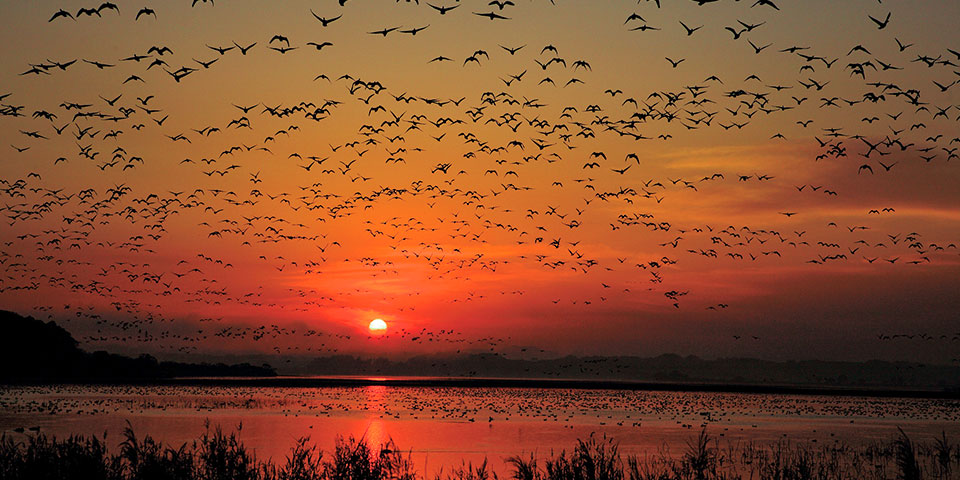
<point>660,369</point>
<point>31,350</point>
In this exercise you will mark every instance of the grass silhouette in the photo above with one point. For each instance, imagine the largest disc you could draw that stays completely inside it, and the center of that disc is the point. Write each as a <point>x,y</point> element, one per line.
<point>217,455</point>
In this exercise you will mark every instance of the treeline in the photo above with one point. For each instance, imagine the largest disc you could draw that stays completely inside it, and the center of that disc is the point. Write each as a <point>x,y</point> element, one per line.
<point>34,351</point>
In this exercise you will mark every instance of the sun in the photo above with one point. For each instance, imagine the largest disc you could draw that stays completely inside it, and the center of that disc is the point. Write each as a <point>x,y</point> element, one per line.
<point>377,325</point>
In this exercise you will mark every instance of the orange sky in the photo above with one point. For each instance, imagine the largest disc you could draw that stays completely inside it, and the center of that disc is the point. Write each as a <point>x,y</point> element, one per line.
<point>475,211</point>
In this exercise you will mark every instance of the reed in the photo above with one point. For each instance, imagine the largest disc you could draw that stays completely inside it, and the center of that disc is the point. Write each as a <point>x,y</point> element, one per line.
<point>217,455</point>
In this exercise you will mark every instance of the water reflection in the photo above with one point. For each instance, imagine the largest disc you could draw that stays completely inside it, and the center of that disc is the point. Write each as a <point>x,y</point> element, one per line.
<point>375,396</point>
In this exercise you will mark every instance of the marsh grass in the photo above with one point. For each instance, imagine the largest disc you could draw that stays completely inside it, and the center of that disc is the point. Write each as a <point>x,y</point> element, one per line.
<point>216,455</point>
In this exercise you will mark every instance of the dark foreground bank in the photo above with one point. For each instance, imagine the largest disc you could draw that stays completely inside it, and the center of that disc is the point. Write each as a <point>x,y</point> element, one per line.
<point>216,455</point>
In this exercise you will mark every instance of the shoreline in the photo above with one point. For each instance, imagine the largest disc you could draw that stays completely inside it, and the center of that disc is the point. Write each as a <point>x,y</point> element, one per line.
<point>467,382</point>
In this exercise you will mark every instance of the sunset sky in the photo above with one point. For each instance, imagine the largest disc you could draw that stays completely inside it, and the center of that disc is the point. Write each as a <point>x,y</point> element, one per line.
<point>789,190</point>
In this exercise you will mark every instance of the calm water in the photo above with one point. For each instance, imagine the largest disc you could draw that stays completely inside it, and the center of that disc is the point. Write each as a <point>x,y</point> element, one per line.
<point>444,425</point>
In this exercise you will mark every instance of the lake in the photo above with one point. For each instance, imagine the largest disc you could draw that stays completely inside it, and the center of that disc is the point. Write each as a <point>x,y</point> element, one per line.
<point>441,426</point>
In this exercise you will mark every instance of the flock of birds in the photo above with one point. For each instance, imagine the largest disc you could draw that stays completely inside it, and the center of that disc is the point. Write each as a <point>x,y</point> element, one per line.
<point>442,191</point>
<point>571,407</point>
